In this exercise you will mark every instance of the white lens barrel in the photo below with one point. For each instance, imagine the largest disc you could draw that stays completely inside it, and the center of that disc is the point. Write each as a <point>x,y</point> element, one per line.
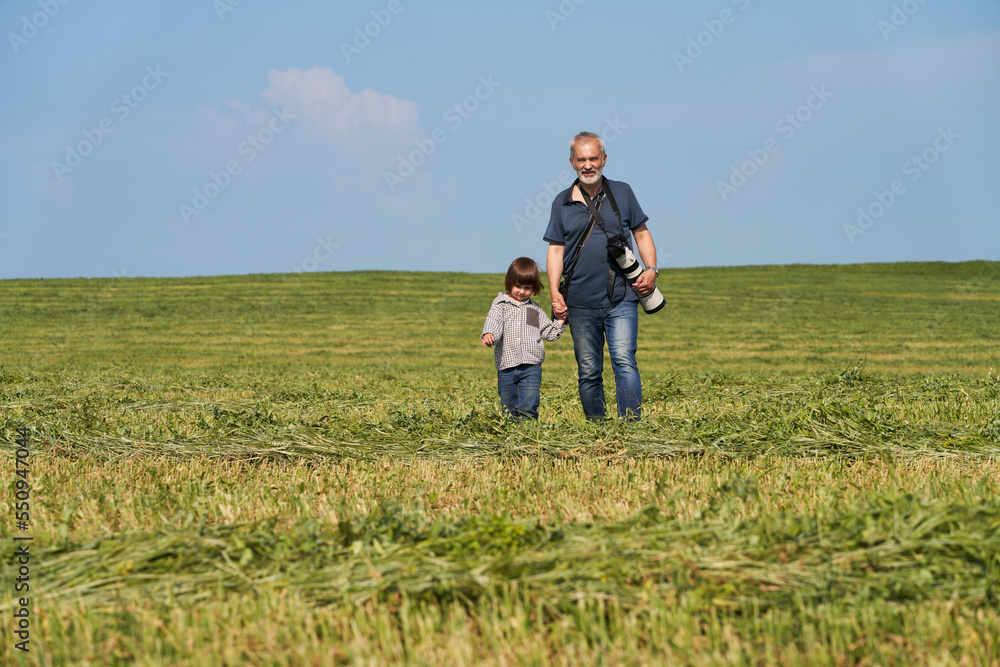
<point>653,301</point>
<point>630,266</point>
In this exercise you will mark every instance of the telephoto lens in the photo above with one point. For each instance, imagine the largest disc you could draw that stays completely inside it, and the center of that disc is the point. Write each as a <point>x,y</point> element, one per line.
<point>619,249</point>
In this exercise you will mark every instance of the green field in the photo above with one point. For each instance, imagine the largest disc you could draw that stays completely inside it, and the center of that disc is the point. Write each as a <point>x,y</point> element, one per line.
<point>313,469</point>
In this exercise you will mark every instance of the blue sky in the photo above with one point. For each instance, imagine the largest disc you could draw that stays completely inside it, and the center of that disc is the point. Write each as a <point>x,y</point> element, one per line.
<point>233,137</point>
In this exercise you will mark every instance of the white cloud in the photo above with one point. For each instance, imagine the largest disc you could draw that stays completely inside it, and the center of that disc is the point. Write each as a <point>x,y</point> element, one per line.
<point>332,110</point>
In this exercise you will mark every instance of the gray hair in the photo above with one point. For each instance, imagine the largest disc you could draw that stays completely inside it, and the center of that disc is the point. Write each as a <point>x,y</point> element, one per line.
<point>586,136</point>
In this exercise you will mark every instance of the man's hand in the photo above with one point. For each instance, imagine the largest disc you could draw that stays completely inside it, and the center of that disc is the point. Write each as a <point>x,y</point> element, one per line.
<point>487,340</point>
<point>645,283</point>
<point>559,309</point>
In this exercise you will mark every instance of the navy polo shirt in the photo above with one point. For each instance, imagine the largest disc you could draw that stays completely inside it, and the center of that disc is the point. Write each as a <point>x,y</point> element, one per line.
<point>567,224</point>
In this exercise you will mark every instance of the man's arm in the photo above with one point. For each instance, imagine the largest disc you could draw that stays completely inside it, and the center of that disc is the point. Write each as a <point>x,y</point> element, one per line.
<point>554,270</point>
<point>646,281</point>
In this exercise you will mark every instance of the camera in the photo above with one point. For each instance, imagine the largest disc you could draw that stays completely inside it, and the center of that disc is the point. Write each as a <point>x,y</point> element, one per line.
<point>619,249</point>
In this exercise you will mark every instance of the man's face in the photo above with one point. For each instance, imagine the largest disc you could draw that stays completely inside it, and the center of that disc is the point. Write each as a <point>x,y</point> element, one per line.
<point>588,161</point>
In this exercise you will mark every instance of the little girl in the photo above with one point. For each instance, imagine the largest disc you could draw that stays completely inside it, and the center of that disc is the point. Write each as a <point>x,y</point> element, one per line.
<point>516,325</point>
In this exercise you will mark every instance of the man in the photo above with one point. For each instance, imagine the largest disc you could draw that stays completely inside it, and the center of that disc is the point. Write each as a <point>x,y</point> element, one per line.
<point>600,304</point>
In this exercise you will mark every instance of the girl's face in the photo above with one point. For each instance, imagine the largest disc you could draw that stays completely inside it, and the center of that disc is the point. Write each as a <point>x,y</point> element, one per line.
<point>521,292</point>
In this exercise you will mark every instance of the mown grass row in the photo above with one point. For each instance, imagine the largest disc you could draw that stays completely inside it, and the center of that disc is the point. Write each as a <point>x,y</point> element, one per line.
<point>891,548</point>
<point>893,576</point>
<point>689,558</point>
<point>845,412</point>
<point>276,629</point>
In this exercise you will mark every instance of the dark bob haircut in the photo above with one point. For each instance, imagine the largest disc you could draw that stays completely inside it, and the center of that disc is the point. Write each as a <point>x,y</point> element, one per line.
<point>523,271</point>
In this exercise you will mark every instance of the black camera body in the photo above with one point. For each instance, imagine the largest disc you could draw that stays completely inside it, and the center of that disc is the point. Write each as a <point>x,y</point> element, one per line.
<point>618,246</point>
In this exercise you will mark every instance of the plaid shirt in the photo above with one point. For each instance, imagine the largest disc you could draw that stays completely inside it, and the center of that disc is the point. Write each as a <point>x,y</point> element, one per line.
<point>518,329</point>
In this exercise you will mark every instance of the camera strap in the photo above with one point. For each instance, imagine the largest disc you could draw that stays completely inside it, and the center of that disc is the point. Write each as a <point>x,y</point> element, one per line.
<point>595,214</point>
<point>595,211</point>
<point>568,271</point>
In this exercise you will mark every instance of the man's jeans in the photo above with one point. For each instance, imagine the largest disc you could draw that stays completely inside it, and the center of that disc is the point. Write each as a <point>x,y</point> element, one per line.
<point>620,324</point>
<point>519,388</point>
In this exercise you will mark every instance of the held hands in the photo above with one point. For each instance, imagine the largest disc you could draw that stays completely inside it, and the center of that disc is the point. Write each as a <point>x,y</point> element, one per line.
<point>559,309</point>
<point>487,340</point>
<point>645,283</point>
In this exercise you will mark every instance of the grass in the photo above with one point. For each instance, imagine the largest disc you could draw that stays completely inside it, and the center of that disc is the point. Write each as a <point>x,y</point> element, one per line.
<point>313,469</point>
